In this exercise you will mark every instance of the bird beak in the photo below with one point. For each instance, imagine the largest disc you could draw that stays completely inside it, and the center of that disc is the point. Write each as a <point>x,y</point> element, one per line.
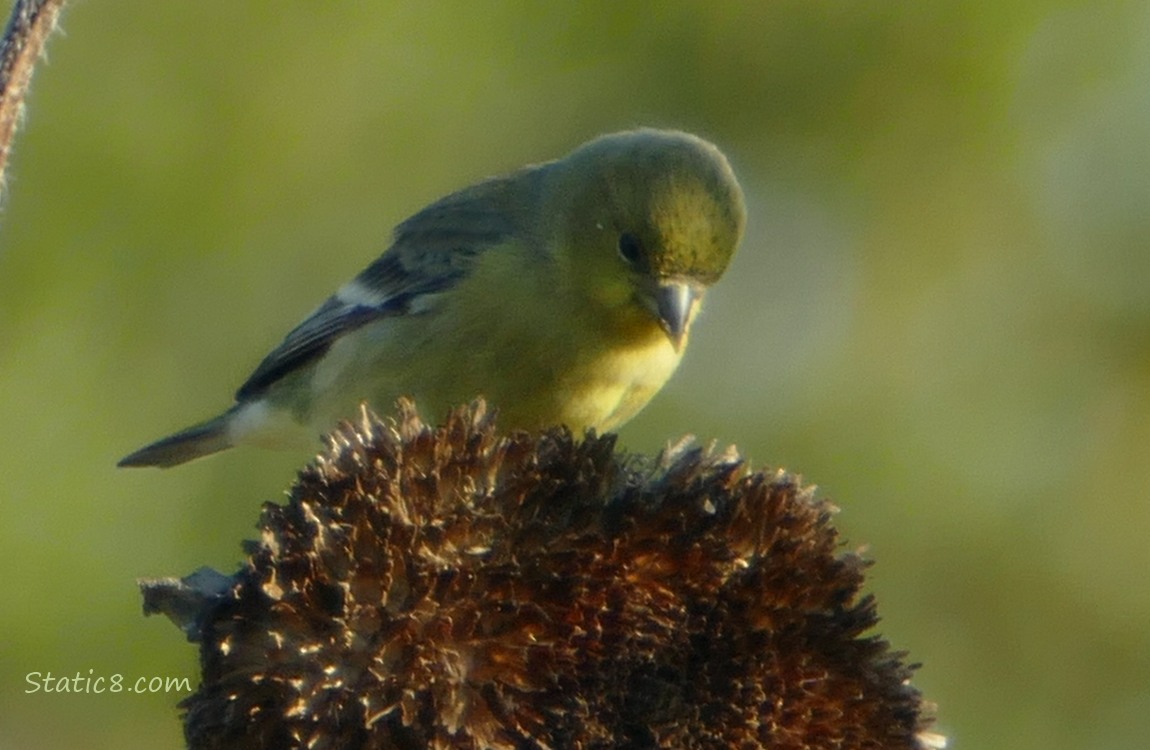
<point>676,302</point>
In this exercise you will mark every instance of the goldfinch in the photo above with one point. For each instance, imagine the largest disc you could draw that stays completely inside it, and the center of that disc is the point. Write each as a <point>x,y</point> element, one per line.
<point>563,293</point>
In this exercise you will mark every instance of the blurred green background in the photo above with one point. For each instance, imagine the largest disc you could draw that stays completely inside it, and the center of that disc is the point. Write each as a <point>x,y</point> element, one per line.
<point>940,314</point>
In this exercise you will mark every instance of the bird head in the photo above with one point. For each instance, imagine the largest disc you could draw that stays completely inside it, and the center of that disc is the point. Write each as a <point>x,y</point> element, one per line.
<point>651,218</point>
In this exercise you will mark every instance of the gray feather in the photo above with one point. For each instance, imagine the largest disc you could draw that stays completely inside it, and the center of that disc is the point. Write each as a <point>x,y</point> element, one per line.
<point>200,440</point>
<point>430,252</point>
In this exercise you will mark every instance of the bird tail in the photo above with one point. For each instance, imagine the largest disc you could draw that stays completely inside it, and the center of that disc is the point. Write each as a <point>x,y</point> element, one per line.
<point>199,440</point>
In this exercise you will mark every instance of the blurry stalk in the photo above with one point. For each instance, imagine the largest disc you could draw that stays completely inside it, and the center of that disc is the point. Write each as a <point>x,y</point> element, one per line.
<point>28,28</point>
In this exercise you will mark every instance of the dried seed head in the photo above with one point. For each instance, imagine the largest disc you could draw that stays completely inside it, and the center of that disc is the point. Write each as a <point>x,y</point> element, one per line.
<point>453,588</point>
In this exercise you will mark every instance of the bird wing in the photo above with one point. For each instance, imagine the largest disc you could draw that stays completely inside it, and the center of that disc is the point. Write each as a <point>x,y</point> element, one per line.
<point>432,251</point>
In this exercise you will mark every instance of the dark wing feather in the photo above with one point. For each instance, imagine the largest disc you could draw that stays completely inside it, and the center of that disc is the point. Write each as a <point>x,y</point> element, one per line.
<point>311,339</point>
<point>432,252</point>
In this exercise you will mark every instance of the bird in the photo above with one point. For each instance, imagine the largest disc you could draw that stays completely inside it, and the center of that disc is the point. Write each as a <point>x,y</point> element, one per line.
<point>563,293</point>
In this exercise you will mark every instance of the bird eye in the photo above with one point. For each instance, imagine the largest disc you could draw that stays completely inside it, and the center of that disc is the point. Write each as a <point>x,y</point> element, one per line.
<point>630,248</point>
